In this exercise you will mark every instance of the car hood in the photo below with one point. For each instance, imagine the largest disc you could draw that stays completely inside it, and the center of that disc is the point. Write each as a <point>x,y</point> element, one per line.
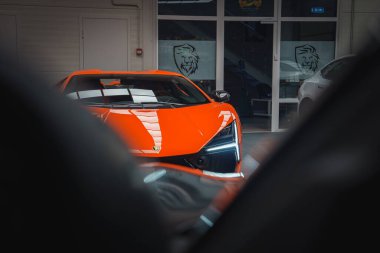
<point>169,131</point>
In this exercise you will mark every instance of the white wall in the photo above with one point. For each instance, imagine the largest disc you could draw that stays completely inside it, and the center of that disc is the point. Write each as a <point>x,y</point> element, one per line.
<point>149,33</point>
<point>356,19</point>
<point>49,31</point>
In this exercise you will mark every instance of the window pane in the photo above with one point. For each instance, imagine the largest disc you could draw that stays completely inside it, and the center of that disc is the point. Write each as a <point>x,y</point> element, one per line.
<point>309,8</point>
<point>248,71</point>
<point>305,48</point>
<point>187,8</point>
<point>288,115</point>
<point>252,8</point>
<point>189,48</point>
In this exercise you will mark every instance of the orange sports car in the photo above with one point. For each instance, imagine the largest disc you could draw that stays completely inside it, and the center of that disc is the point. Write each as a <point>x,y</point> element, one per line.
<point>164,117</point>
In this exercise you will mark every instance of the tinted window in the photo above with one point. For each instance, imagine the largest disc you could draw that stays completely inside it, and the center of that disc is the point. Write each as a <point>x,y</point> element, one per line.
<point>249,8</point>
<point>134,89</point>
<point>187,8</point>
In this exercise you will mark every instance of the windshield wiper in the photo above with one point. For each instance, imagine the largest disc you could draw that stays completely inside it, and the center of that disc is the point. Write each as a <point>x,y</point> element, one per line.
<point>96,104</point>
<point>172,105</point>
<point>124,104</point>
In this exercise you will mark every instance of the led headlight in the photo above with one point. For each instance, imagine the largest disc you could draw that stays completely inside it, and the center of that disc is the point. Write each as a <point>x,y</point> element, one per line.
<point>220,155</point>
<point>226,139</point>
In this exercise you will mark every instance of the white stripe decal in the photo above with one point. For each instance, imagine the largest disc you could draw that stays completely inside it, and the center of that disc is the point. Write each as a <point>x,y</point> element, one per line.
<point>121,111</point>
<point>226,117</point>
<point>151,123</point>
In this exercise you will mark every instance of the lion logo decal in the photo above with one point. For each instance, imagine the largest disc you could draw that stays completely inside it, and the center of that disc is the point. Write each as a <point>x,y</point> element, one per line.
<point>307,59</point>
<point>186,59</point>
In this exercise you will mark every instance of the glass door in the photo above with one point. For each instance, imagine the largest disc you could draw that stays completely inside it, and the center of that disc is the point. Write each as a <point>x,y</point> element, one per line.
<point>248,71</point>
<point>306,46</point>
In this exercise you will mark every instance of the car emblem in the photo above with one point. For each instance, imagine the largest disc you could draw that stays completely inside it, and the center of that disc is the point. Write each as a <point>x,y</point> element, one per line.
<point>156,148</point>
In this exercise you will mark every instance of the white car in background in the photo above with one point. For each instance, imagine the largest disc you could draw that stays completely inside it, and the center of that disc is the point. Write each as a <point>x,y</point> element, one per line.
<point>313,86</point>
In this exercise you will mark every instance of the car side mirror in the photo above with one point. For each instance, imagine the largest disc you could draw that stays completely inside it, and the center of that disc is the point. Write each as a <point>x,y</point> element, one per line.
<point>221,96</point>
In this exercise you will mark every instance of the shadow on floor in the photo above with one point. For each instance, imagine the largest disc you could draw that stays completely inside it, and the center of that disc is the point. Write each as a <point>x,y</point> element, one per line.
<point>252,139</point>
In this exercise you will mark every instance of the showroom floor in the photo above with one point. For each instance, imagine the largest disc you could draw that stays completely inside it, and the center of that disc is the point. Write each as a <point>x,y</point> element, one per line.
<point>252,139</point>
<point>256,124</point>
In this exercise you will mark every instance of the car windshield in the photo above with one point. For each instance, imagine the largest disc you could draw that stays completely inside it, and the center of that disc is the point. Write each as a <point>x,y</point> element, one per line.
<point>132,90</point>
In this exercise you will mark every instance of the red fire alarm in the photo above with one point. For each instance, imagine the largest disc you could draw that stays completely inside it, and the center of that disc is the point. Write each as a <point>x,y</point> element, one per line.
<point>139,51</point>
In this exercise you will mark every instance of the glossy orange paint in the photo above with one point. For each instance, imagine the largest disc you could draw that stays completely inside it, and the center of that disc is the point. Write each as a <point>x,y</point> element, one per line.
<point>169,131</point>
